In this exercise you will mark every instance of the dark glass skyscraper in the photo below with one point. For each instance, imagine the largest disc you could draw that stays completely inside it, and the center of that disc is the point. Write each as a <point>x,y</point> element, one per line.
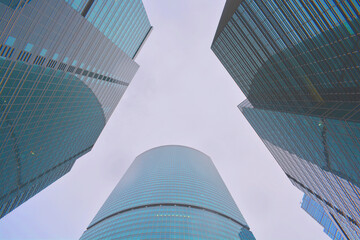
<point>297,62</point>
<point>170,192</point>
<point>64,65</point>
<point>319,155</point>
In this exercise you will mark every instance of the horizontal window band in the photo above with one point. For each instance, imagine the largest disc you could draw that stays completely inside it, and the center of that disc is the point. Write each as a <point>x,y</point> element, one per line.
<point>6,51</point>
<point>167,205</point>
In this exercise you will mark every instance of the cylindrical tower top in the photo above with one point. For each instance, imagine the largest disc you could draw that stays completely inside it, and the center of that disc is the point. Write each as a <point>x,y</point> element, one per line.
<point>173,187</point>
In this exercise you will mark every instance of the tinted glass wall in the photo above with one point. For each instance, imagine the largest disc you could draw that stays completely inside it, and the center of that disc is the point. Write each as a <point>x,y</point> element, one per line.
<point>316,211</point>
<point>125,23</point>
<point>170,192</point>
<point>292,55</point>
<point>60,80</point>
<point>320,156</point>
<point>297,62</point>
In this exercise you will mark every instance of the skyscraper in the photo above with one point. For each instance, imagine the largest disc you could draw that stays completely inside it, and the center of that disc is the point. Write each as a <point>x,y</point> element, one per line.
<point>170,192</point>
<point>297,62</point>
<point>64,65</point>
<point>319,155</point>
<point>316,211</point>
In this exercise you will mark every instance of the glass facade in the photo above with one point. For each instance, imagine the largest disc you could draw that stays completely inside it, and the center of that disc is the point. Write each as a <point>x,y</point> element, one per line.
<point>125,23</point>
<point>170,192</point>
<point>61,78</point>
<point>316,211</point>
<point>320,156</point>
<point>297,62</point>
<point>294,55</point>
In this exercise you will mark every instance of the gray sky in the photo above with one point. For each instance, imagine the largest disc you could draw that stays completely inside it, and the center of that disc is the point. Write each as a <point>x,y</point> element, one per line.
<point>180,95</point>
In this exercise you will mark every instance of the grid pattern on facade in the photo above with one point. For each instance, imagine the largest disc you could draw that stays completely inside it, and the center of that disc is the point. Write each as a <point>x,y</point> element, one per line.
<point>186,172</point>
<point>165,223</point>
<point>17,196</point>
<point>61,78</point>
<point>316,211</point>
<point>26,56</point>
<point>45,114</point>
<point>329,143</point>
<point>168,204</point>
<point>324,165</point>
<point>294,55</point>
<point>170,192</point>
<point>297,62</point>
<point>245,234</point>
<point>82,50</point>
<point>125,23</point>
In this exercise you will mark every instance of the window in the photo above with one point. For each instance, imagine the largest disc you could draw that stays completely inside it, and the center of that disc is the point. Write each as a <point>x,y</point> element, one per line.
<point>43,52</point>
<point>28,47</point>
<point>10,41</point>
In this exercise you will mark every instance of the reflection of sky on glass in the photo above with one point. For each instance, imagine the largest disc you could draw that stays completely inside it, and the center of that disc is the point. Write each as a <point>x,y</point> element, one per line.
<point>180,95</point>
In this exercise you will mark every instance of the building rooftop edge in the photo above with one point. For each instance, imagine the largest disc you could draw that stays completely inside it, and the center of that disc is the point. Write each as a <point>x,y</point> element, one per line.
<point>229,10</point>
<point>143,42</point>
<point>173,145</point>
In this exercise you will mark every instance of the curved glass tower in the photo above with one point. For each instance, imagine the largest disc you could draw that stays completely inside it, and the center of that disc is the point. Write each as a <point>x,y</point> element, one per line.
<point>64,66</point>
<point>170,192</point>
<point>298,64</point>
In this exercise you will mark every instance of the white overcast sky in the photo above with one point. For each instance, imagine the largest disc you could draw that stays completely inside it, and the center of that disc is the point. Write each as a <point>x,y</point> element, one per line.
<point>180,95</point>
